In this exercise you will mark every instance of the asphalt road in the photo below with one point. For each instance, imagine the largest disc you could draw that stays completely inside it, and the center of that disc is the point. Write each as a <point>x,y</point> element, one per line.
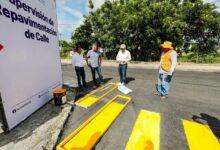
<point>192,93</point>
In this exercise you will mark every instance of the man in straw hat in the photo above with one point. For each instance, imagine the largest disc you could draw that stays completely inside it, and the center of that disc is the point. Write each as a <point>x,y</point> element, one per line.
<point>167,66</point>
<point>123,58</point>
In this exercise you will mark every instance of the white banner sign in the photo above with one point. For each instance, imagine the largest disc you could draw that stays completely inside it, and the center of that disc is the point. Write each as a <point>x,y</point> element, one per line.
<point>29,57</point>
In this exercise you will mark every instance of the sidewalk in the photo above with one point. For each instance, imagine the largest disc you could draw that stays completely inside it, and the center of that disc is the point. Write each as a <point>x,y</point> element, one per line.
<point>154,65</point>
<point>40,131</point>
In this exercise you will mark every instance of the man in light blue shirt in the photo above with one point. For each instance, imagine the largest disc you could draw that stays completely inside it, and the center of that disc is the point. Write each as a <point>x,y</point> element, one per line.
<point>94,61</point>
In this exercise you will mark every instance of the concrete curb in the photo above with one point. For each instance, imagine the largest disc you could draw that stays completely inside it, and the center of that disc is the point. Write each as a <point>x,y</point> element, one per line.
<point>54,130</point>
<point>55,134</point>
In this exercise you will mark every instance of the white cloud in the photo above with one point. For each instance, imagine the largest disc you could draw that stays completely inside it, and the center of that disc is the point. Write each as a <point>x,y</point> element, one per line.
<point>68,19</point>
<point>73,12</point>
<point>68,22</point>
<point>98,3</point>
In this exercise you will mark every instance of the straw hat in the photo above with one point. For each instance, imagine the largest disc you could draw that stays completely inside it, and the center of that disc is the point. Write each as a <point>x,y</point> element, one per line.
<point>167,45</point>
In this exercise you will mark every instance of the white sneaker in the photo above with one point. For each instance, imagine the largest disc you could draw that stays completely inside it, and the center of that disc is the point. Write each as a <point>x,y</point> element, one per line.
<point>119,84</point>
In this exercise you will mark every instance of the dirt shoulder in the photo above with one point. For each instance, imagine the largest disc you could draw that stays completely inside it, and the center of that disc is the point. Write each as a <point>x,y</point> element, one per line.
<point>154,65</point>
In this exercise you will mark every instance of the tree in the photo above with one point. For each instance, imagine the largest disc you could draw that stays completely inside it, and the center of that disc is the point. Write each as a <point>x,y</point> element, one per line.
<point>91,5</point>
<point>203,26</point>
<point>65,47</point>
<point>83,35</point>
<point>144,24</point>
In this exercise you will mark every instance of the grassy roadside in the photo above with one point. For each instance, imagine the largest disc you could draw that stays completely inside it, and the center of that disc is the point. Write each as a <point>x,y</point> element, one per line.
<point>190,57</point>
<point>213,58</point>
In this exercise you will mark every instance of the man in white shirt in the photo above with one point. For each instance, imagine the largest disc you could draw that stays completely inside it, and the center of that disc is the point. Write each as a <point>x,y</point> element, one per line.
<point>167,66</point>
<point>94,61</point>
<point>123,57</point>
<point>77,62</point>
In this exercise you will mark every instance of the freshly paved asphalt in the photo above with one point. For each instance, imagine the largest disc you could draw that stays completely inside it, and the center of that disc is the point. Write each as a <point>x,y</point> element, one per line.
<point>192,93</point>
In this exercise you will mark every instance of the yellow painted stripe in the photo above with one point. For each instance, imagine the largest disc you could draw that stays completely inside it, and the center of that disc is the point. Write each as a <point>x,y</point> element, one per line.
<point>87,135</point>
<point>146,132</point>
<point>89,100</point>
<point>200,137</point>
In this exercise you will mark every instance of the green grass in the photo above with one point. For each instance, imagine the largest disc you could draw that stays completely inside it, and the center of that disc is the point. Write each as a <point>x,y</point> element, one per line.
<point>208,59</point>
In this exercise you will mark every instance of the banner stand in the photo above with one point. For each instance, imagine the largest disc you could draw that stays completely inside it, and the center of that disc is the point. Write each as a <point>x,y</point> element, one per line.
<point>30,61</point>
<point>4,121</point>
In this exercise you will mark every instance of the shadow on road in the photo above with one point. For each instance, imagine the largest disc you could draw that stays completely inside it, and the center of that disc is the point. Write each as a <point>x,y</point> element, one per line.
<point>79,93</point>
<point>213,123</point>
<point>129,79</point>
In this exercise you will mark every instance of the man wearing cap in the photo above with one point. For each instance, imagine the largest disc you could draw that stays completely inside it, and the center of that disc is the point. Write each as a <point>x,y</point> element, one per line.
<point>94,61</point>
<point>123,57</point>
<point>167,66</point>
<point>77,62</point>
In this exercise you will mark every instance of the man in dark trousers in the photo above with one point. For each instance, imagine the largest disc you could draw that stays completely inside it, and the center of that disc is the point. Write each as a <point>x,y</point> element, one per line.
<point>77,62</point>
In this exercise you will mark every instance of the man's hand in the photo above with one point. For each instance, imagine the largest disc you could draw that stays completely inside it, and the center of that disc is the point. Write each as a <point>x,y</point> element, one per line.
<point>122,62</point>
<point>87,61</point>
<point>169,77</point>
<point>170,73</point>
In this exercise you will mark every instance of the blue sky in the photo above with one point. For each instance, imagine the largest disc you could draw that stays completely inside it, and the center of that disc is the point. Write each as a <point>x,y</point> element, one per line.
<point>70,14</point>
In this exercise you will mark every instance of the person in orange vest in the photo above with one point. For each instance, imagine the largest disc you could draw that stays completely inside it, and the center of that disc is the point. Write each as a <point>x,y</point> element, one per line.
<point>167,66</point>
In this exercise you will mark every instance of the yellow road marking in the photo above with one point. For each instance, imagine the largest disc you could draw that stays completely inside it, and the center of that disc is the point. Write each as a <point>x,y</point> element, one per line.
<point>89,100</point>
<point>146,132</point>
<point>200,137</point>
<point>87,135</point>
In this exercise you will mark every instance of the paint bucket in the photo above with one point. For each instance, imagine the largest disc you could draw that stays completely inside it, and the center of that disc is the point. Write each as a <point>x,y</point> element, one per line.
<point>59,96</point>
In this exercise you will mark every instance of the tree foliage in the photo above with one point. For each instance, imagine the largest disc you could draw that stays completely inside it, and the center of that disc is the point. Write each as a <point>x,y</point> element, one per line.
<point>144,24</point>
<point>65,47</point>
<point>91,5</point>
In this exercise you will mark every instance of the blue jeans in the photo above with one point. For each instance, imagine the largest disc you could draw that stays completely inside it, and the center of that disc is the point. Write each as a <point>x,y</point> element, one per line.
<point>122,69</point>
<point>98,70</point>
<point>163,84</point>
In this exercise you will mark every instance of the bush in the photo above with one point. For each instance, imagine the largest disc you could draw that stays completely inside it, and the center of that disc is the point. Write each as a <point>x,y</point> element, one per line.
<point>209,58</point>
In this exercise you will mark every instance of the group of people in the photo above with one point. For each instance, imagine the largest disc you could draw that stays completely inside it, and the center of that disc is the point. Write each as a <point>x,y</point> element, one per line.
<point>93,59</point>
